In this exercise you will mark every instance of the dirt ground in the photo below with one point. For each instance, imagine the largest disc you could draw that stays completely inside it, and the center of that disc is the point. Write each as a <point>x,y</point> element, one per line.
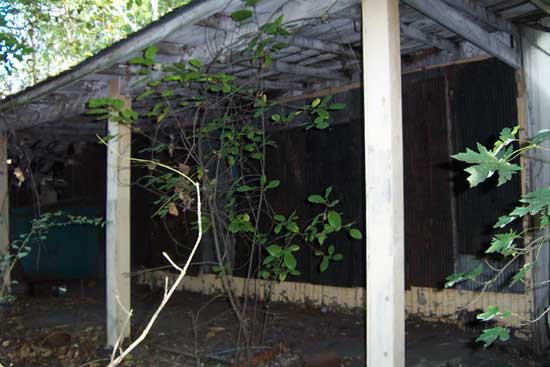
<point>45,330</point>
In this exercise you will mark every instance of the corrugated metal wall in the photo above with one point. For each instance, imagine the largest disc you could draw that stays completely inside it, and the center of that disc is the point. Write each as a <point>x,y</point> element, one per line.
<point>483,102</point>
<point>428,217</point>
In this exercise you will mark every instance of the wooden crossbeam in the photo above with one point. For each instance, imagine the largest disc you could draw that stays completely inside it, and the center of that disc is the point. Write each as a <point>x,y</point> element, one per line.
<point>455,21</point>
<point>479,12</point>
<point>315,44</point>
<point>430,39</point>
<point>542,5</point>
<point>285,68</point>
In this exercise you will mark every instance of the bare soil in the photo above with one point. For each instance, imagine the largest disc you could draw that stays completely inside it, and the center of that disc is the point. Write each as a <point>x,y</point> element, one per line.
<point>69,330</point>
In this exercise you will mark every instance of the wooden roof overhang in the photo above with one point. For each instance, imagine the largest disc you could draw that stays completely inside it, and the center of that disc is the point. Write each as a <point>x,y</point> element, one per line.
<point>326,36</point>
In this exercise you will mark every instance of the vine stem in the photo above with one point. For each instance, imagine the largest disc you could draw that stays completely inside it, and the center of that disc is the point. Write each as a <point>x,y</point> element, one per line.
<point>168,292</point>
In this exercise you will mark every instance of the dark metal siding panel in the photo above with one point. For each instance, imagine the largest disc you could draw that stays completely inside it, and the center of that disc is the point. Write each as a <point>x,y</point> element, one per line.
<point>428,219</point>
<point>307,162</point>
<point>483,102</point>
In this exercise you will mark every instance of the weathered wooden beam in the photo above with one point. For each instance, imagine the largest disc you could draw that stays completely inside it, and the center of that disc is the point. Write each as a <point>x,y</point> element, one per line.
<point>384,184</point>
<point>315,44</point>
<point>427,38</point>
<point>118,225</point>
<point>273,84</point>
<point>467,29</point>
<point>479,12</point>
<point>4,207</point>
<point>33,115</point>
<point>283,67</point>
<point>542,5</point>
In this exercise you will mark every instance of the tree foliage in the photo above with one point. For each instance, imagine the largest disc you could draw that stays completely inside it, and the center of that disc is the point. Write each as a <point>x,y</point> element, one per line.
<point>40,38</point>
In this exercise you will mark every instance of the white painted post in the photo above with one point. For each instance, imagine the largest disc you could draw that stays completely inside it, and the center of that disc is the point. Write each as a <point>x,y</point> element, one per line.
<point>384,183</point>
<point>118,225</point>
<point>4,205</point>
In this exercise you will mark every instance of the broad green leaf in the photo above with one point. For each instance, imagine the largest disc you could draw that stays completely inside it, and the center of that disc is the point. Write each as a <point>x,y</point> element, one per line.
<point>508,135</point>
<point>293,227</point>
<point>322,125</point>
<point>355,234</point>
<point>150,52</point>
<point>454,279</point>
<point>324,264</point>
<point>337,106</point>
<point>489,336</point>
<point>484,164</point>
<point>294,272</point>
<point>279,218</point>
<point>196,63</point>
<point>274,250</point>
<point>316,102</point>
<point>244,188</point>
<point>334,219</point>
<point>490,313</point>
<point>289,260</point>
<point>294,248</point>
<point>502,242</point>
<point>503,221</point>
<point>337,257</point>
<point>316,199</point>
<point>145,94</point>
<point>521,273</point>
<point>240,15</point>
<point>273,184</point>
<point>535,202</point>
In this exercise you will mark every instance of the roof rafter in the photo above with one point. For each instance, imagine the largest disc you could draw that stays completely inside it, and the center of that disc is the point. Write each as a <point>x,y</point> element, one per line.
<point>479,12</point>
<point>542,5</point>
<point>453,20</point>
<point>430,39</point>
<point>315,44</point>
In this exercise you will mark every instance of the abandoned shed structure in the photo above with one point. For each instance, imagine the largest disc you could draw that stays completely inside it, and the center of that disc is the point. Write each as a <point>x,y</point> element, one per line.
<point>422,79</point>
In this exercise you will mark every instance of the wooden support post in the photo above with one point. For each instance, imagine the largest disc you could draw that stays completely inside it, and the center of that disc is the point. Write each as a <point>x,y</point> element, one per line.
<point>384,184</point>
<point>118,225</point>
<point>4,205</point>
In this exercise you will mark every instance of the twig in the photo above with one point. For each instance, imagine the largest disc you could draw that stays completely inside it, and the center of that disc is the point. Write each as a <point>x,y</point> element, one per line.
<point>182,271</point>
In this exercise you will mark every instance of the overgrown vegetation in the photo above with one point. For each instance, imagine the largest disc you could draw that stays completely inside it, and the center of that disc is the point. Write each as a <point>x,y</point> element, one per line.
<point>40,38</point>
<point>512,245</point>
<point>214,128</point>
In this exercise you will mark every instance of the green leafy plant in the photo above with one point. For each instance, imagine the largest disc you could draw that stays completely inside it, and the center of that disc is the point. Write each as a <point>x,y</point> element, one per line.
<point>214,127</point>
<point>507,243</point>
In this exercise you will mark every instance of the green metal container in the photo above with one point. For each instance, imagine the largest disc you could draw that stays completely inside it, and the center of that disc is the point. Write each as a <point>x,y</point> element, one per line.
<point>69,252</point>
